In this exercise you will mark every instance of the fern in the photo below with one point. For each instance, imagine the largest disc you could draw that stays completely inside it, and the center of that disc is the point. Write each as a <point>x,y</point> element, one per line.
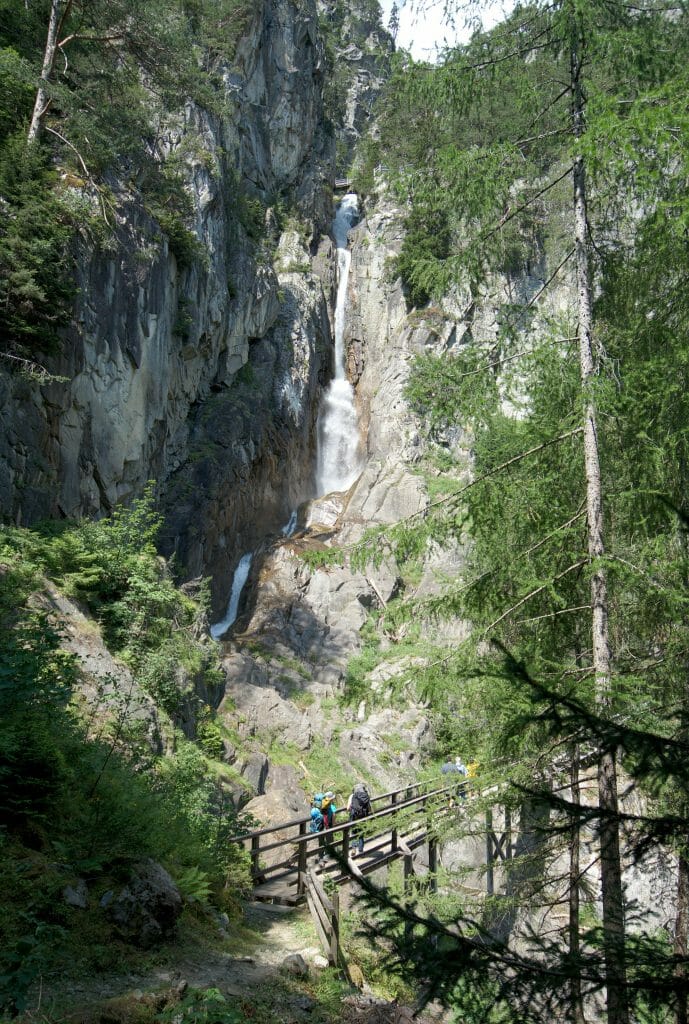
<point>194,885</point>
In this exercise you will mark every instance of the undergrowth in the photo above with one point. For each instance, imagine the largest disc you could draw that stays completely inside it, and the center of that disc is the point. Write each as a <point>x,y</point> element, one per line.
<point>84,791</point>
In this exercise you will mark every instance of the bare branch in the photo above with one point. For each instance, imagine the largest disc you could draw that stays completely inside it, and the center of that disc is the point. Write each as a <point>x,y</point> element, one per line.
<point>34,370</point>
<point>538,590</point>
<point>73,148</point>
<point>550,615</point>
<point>90,39</point>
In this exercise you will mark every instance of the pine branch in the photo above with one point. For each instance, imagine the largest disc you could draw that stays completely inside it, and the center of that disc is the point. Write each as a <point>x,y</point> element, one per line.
<point>35,370</point>
<point>511,214</point>
<point>533,593</point>
<point>550,615</point>
<point>544,135</point>
<point>491,473</point>
<point>532,301</point>
<point>432,602</point>
<point>544,110</point>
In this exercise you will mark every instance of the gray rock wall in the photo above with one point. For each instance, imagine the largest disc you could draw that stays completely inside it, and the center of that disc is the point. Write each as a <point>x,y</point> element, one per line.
<point>362,55</point>
<point>152,339</point>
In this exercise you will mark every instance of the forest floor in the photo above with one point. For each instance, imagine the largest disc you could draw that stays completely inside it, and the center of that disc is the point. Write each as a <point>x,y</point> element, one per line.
<point>246,975</point>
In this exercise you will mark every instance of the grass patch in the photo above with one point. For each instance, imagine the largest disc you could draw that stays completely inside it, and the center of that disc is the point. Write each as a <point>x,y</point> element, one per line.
<point>323,558</point>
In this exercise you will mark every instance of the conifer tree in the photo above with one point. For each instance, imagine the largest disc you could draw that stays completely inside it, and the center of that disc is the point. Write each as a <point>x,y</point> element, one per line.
<point>559,57</point>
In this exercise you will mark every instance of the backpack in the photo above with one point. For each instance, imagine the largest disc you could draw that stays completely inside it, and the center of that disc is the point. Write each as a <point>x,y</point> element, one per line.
<point>317,822</point>
<point>318,799</point>
<point>328,808</point>
<point>360,806</point>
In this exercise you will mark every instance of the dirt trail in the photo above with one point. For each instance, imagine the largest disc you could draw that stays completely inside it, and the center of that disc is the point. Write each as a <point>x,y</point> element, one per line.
<point>257,975</point>
<point>279,933</point>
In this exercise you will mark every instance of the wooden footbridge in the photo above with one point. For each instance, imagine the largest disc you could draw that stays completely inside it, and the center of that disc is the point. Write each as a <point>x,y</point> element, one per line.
<point>290,865</point>
<point>282,854</point>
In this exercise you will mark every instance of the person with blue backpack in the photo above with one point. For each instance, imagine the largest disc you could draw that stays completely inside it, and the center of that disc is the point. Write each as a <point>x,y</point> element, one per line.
<point>323,812</point>
<point>317,824</point>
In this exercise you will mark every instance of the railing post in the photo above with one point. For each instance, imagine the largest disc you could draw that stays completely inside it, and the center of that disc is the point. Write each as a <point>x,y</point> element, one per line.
<point>255,852</point>
<point>301,861</point>
<point>393,832</point>
<point>490,881</point>
<point>335,929</point>
<point>508,834</point>
<point>408,870</point>
<point>433,863</point>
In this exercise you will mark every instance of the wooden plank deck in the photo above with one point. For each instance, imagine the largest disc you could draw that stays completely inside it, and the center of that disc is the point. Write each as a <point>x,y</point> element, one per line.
<point>284,889</point>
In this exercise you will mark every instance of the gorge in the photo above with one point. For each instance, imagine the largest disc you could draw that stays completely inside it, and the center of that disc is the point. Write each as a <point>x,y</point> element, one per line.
<point>298,488</point>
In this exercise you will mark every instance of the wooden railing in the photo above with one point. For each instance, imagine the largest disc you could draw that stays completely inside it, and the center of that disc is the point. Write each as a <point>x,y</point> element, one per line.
<point>408,807</point>
<point>325,912</point>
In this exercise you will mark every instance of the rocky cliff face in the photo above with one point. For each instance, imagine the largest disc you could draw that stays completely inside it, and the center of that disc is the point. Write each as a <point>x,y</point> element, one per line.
<point>362,50</point>
<point>154,337</point>
<point>302,621</point>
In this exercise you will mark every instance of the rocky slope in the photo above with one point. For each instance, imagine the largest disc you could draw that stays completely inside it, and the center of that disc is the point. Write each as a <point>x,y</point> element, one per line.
<point>301,621</point>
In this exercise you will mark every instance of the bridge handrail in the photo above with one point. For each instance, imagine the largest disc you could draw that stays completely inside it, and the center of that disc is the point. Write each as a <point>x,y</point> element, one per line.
<point>293,822</point>
<point>333,837</point>
<point>384,813</point>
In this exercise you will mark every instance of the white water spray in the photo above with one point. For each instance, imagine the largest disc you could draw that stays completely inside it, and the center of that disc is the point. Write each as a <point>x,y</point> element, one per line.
<point>241,574</point>
<point>338,462</point>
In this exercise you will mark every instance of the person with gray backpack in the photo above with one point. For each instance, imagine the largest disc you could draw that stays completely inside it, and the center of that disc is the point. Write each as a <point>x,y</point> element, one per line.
<point>359,806</point>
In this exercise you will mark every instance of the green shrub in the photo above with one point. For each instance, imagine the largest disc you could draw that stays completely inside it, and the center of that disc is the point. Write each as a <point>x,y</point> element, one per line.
<point>36,282</point>
<point>427,236</point>
<point>194,885</point>
<point>112,566</point>
<point>322,558</point>
<point>184,245</point>
<point>207,1007</point>
<point>209,738</point>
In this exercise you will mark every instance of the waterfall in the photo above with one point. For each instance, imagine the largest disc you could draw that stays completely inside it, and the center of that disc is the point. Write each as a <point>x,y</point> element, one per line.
<point>238,580</point>
<point>338,462</point>
<point>290,526</point>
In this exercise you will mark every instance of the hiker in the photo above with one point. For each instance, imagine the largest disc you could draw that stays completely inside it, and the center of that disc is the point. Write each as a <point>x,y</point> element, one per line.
<point>328,808</point>
<point>324,803</point>
<point>317,824</point>
<point>359,806</point>
<point>457,766</point>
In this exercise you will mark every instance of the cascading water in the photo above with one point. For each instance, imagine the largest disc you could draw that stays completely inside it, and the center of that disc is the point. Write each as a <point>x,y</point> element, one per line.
<point>338,461</point>
<point>241,574</point>
<point>290,526</point>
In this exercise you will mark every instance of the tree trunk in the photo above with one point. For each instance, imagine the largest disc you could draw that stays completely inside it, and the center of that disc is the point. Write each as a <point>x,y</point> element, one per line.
<point>576,1006</point>
<point>681,931</point>
<point>57,18</point>
<point>611,874</point>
